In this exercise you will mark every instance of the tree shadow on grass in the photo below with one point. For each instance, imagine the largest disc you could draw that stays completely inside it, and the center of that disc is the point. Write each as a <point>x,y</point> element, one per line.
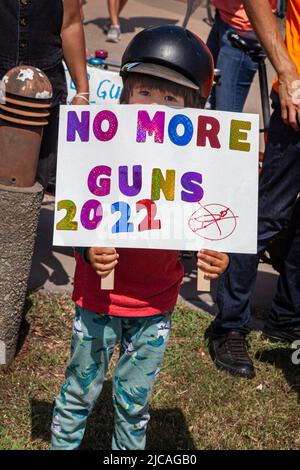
<point>281,358</point>
<point>167,429</point>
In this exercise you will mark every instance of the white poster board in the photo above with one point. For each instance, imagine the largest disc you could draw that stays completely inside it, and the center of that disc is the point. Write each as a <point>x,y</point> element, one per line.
<point>105,86</point>
<point>157,177</point>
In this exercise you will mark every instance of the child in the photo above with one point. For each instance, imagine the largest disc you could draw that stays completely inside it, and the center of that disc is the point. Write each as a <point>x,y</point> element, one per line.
<point>165,65</point>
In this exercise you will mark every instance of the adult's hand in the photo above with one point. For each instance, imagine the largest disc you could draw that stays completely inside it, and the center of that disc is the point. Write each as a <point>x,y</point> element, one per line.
<point>289,95</point>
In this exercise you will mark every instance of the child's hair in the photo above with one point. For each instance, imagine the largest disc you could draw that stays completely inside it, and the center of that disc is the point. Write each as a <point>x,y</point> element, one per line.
<point>192,98</point>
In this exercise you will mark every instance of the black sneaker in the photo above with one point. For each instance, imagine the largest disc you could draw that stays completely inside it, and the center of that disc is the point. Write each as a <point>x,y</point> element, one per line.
<point>230,353</point>
<point>286,335</point>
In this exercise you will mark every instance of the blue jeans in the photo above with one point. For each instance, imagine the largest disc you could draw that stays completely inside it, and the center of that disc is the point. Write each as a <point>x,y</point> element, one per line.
<point>237,69</point>
<point>279,186</point>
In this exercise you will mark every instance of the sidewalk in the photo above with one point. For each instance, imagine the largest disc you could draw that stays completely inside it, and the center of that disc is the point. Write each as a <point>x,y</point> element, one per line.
<point>53,267</point>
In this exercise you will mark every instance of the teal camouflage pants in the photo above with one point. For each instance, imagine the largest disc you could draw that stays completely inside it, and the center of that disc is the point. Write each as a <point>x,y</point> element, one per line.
<point>143,343</point>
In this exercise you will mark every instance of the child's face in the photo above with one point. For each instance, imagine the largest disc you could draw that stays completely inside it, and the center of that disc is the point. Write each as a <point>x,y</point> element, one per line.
<point>142,94</point>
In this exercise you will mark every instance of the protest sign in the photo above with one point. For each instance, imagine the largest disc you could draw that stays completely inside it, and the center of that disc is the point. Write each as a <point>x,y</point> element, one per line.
<point>157,177</point>
<point>105,86</point>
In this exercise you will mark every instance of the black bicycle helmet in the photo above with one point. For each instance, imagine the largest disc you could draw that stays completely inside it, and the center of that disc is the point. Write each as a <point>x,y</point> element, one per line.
<point>173,53</point>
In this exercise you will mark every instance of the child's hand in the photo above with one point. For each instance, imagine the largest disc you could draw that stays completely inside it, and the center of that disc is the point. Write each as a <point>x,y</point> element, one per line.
<point>103,260</point>
<point>212,263</point>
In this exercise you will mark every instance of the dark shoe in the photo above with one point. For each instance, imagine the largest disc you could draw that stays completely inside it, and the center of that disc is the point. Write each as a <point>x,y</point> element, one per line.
<point>287,335</point>
<point>230,353</point>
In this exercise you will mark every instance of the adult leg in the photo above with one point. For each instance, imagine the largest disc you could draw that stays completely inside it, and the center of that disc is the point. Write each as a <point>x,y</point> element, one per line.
<point>93,340</point>
<point>283,323</point>
<point>122,4</point>
<point>237,73</point>
<point>113,9</point>
<point>143,346</point>
<point>278,189</point>
<point>284,320</point>
<point>213,43</point>
<point>114,30</point>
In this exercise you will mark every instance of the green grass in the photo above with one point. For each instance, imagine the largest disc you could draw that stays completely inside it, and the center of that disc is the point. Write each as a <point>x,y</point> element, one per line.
<point>194,406</point>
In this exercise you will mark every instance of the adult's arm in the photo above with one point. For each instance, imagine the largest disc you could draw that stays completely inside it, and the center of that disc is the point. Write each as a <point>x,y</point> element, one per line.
<point>73,43</point>
<point>266,28</point>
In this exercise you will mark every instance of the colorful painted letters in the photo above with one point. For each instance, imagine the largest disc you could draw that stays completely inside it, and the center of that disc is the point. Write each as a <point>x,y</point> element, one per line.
<point>149,176</point>
<point>180,129</point>
<point>99,183</point>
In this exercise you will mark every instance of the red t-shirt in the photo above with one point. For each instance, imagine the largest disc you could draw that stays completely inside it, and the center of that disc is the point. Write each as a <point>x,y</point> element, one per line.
<point>146,283</point>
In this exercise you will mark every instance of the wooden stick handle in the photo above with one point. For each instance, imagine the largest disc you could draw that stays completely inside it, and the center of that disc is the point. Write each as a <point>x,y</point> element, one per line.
<point>203,285</point>
<point>108,282</point>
